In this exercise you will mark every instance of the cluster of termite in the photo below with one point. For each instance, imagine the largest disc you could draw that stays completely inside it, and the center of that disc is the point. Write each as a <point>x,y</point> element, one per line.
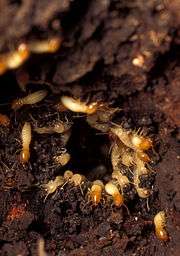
<point>128,150</point>
<point>14,59</point>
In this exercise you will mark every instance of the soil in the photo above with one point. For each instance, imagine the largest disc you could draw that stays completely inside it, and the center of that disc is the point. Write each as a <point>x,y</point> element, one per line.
<point>97,61</point>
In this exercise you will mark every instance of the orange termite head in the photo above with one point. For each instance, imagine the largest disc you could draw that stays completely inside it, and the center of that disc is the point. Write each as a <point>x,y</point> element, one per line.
<point>24,156</point>
<point>112,190</point>
<point>141,143</point>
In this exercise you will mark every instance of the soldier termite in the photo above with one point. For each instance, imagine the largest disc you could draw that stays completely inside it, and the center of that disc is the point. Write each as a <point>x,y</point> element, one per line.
<point>95,192</point>
<point>111,189</point>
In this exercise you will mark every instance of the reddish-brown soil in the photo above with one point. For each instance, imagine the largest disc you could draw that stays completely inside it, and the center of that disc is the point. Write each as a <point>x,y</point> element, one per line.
<point>100,41</point>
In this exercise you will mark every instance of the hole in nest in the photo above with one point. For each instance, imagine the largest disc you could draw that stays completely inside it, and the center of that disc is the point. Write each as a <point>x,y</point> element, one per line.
<point>89,151</point>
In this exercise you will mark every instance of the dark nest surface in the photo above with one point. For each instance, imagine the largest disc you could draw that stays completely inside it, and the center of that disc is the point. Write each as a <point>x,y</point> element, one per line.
<point>121,52</point>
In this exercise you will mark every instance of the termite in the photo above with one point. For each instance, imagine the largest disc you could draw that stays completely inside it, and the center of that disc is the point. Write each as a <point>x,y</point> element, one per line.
<point>62,159</point>
<point>112,190</point>
<point>4,120</point>
<point>26,140</point>
<point>17,58</point>
<point>13,59</point>
<point>45,46</point>
<point>140,169</point>
<point>121,153</point>
<point>52,185</point>
<point>122,180</point>
<point>32,98</point>
<point>58,127</point>
<point>78,106</point>
<point>75,179</point>
<point>160,226</point>
<point>96,192</point>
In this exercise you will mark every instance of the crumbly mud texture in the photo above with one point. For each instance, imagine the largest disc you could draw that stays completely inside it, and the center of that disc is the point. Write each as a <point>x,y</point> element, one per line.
<point>121,52</point>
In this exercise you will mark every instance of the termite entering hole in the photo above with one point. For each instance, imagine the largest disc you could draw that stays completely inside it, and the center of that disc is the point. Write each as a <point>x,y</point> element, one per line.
<point>26,140</point>
<point>32,98</point>
<point>96,192</point>
<point>111,189</point>
<point>160,226</point>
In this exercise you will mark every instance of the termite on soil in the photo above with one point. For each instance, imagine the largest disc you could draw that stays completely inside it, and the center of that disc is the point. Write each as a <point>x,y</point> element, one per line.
<point>122,180</point>
<point>140,169</point>
<point>26,140</point>
<point>14,59</point>
<point>160,226</point>
<point>112,190</point>
<point>62,159</point>
<point>58,127</point>
<point>52,185</point>
<point>32,98</point>
<point>96,192</point>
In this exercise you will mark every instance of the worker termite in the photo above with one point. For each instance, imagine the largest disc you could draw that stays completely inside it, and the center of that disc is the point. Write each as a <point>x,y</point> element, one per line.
<point>62,159</point>
<point>45,46</point>
<point>75,179</point>
<point>122,180</point>
<point>52,185</point>
<point>140,169</point>
<point>160,226</point>
<point>121,153</point>
<point>95,192</point>
<point>58,127</point>
<point>4,120</point>
<point>112,190</point>
<point>26,140</point>
<point>32,98</point>
<point>78,106</point>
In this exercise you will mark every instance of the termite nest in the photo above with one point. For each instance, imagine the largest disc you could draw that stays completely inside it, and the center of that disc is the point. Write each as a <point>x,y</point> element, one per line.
<point>129,152</point>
